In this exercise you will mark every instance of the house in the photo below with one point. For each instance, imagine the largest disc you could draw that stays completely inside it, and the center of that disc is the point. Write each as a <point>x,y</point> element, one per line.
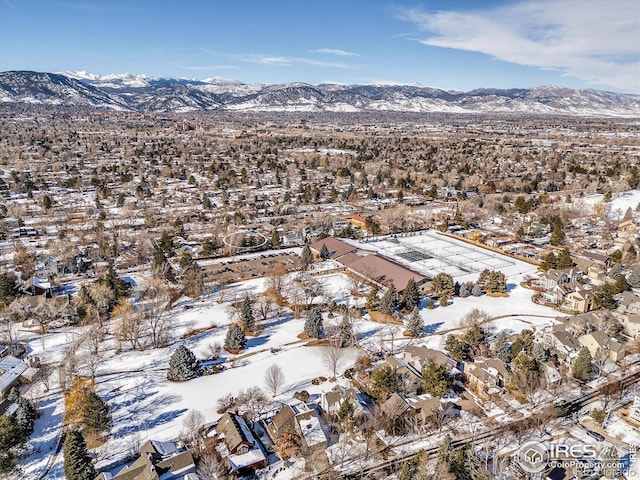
<point>359,222</point>
<point>631,324</point>
<point>592,264</point>
<point>423,407</point>
<point>244,451</point>
<point>37,286</point>
<point>579,300</point>
<point>415,358</point>
<point>629,303</point>
<point>157,461</point>
<point>486,377</point>
<point>58,311</point>
<point>553,277</point>
<point>304,420</point>
<point>600,341</point>
<point>12,371</point>
<point>331,401</point>
<point>561,343</point>
<point>293,240</point>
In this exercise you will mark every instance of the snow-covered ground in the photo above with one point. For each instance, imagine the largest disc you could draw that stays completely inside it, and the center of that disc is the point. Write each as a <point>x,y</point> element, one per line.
<point>617,207</point>
<point>145,405</point>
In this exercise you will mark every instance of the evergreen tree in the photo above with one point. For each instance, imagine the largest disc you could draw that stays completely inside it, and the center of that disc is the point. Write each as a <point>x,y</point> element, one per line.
<point>25,417</point>
<point>306,258</point>
<point>476,291</point>
<point>582,366</point>
<point>501,348</point>
<point>10,437</point>
<point>483,278</point>
<point>346,337</point>
<point>313,325</point>
<point>463,292</point>
<point>235,339</point>
<point>564,259</point>
<point>411,295</point>
<point>549,261</point>
<point>389,301</point>
<point>540,353</point>
<point>77,463</point>
<point>557,235</point>
<point>458,349</point>
<point>373,302</point>
<point>384,381</point>
<point>95,415</point>
<point>345,414</point>
<point>436,379</point>
<point>415,324</point>
<point>166,243</point>
<point>275,239</point>
<point>442,284</point>
<point>246,314</point>
<point>603,296</point>
<point>324,252</point>
<point>8,288</point>
<point>183,365</point>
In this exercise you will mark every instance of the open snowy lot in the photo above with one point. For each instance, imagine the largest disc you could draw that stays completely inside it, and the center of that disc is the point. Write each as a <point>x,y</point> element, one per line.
<point>145,405</point>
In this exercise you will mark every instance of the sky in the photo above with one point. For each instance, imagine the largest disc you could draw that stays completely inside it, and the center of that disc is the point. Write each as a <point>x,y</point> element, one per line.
<point>454,44</point>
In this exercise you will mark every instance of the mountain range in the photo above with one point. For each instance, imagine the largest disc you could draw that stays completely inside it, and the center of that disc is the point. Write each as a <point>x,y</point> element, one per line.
<point>140,93</point>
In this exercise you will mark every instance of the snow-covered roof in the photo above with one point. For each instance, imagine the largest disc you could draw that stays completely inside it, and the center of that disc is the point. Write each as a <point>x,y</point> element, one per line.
<point>252,457</point>
<point>11,368</point>
<point>164,448</point>
<point>312,431</point>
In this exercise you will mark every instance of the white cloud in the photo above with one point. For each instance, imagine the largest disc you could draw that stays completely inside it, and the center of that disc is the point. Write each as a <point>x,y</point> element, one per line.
<point>333,51</point>
<point>596,42</point>
<point>210,67</point>
<point>289,61</point>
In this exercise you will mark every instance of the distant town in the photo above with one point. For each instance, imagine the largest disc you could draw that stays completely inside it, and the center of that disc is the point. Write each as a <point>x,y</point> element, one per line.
<point>272,295</point>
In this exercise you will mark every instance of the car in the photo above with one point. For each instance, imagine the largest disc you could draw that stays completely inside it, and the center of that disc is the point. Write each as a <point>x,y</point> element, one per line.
<point>598,436</point>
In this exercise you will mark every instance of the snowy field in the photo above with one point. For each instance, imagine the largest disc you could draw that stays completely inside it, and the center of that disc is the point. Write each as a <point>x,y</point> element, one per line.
<point>145,405</point>
<point>618,205</point>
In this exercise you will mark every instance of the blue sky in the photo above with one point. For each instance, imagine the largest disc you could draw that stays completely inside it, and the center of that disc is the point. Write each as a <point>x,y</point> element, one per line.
<point>447,44</point>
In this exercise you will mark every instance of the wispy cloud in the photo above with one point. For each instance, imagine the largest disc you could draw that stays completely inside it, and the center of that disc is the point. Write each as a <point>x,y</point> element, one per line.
<point>596,42</point>
<point>289,61</point>
<point>334,51</point>
<point>210,67</point>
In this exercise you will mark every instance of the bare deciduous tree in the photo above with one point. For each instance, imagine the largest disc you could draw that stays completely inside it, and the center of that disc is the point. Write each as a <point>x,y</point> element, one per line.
<point>332,356</point>
<point>155,296</point>
<point>129,323</point>
<point>264,307</point>
<point>252,401</point>
<point>274,379</point>
<point>192,426</point>
<point>101,295</point>
<point>276,281</point>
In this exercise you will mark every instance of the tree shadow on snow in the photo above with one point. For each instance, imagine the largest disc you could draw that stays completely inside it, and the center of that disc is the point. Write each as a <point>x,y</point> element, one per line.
<point>257,341</point>
<point>144,423</point>
<point>432,328</point>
